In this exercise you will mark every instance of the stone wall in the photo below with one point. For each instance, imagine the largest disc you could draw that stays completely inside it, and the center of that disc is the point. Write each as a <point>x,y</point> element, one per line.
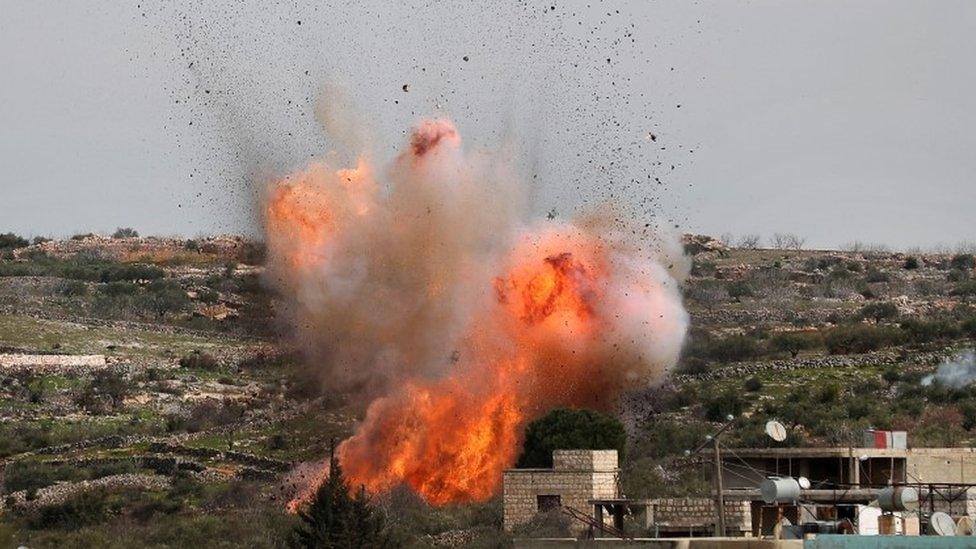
<point>52,364</point>
<point>577,477</point>
<point>584,460</point>
<point>59,493</point>
<point>680,514</point>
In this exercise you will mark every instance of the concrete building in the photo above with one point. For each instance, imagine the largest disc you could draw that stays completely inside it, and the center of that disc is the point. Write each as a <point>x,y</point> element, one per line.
<point>844,479</point>
<point>833,468</point>
<point>576,477</point>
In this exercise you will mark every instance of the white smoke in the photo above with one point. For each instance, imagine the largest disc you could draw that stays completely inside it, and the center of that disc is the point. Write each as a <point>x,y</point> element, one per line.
<point>955,373</point>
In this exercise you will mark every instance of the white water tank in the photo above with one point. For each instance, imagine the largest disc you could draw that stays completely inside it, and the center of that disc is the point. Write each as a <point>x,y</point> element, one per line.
<point>898,498</point>
<point>780,490</point>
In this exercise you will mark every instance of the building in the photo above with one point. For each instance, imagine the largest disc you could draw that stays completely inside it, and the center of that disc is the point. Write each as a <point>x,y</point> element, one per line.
<point>843,480</point>
<point>576,478</point>
<point>842,468</point>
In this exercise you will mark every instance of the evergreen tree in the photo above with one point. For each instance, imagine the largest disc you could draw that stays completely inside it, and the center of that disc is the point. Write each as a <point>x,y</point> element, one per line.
<point>335,519</point>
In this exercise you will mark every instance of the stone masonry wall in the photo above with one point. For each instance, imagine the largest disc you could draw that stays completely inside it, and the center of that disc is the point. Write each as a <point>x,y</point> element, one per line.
<point>687,513</point>
<point>52,364</point>
<point>578,476</point>
<point>584,460</point>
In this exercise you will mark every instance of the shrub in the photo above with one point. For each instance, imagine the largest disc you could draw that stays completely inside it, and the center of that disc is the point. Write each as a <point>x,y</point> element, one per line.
<point>753,384</point>
<point>116,272</point>
<point>858,338</point>
<point>692,366</point>
<point>191,245</point>
<point>968,326</point>
<point>965,288</point>
<point>739,289</point>
<point>83,509</point>
<point>874,275</point>
<point>734,348</point>
<point>957,275</point>
<point>71,288</point>
<point>167,296</point>
<point>963,262</point>
<point>661,437</point>
<point>968,411</point>
<point>199,361</point>
<point>115,289</point>
<point>793,343</point>
<point>107,389</point>
<point>828,393</point>
<point>206,295</point>
<point>879,311</point>
<point>545,524</point>
<point>125,232</point>
<point>911,263</point>
<point>10,241</point>
<point>891,375</point>
<point>723,405</point>
<point>925,331</point>
<point>570,429</point>
<point>82,236</point>
<point>31,475</point>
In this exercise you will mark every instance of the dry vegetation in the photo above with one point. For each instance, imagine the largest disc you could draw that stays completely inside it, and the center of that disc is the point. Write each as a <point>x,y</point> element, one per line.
<point>182,439</point>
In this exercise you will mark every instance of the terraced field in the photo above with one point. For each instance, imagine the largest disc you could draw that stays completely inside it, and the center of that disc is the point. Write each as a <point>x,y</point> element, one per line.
<point>189,434</point>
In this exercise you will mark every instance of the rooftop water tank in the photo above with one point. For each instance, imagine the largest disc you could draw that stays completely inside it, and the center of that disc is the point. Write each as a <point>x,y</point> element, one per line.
<point>780,490</point>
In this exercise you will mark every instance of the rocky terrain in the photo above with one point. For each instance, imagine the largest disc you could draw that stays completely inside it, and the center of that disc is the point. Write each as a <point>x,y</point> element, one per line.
<point>145,389</point>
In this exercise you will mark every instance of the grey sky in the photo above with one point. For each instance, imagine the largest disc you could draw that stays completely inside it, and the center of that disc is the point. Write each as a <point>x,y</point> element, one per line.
<point>833,120</point>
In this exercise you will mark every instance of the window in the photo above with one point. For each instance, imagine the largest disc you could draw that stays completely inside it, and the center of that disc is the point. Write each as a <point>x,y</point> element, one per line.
<point>548,503</point>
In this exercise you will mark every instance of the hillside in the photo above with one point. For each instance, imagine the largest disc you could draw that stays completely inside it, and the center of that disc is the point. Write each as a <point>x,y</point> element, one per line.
<point>145,388</point>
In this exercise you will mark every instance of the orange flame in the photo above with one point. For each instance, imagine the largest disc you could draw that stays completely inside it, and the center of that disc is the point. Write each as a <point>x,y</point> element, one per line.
<point>567,325</point>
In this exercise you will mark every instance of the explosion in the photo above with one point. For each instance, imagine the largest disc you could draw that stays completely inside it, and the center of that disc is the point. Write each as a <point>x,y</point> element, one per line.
<point>424,289</point>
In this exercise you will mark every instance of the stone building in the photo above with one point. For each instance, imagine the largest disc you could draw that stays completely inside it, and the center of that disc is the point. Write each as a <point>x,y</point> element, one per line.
<point>576,477</point>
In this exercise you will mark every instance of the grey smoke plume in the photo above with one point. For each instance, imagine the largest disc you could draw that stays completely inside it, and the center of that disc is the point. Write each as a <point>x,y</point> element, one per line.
<point>955,373</point>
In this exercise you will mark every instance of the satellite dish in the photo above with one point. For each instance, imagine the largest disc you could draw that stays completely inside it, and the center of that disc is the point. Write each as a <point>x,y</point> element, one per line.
<point>964,527</point>
<point>775,430</point>
<point>941,524</point>
<point>804,483</point>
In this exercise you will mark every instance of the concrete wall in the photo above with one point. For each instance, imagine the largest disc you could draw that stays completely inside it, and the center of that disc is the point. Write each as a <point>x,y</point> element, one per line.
<point>577,476</point>
<point>942,465</point>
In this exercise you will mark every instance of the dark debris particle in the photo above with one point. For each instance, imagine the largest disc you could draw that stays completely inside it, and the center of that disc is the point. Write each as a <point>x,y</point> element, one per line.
<point>465,58</point>
<point>406,87</point>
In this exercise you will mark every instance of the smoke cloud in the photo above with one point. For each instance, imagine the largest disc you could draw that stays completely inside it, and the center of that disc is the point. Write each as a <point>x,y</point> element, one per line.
<point>423,287</point>
<point>955,373</point>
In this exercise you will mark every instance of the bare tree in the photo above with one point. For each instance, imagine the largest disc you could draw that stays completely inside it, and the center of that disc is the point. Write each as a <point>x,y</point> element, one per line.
<point>788,241</point>
<point>749,241</point>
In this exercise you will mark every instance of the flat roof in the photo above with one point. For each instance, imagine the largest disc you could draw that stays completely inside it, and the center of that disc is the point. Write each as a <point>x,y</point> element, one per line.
<point>840,452</point>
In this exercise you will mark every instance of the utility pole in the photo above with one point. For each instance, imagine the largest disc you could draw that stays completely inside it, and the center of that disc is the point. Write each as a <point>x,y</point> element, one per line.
<point>719,498</point>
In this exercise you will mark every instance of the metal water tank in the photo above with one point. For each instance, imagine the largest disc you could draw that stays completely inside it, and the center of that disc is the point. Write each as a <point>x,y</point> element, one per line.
<point>898,498</point>
<point>779,490</point>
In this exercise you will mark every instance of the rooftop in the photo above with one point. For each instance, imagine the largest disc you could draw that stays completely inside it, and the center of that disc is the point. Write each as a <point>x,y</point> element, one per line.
<point>842,452</point>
